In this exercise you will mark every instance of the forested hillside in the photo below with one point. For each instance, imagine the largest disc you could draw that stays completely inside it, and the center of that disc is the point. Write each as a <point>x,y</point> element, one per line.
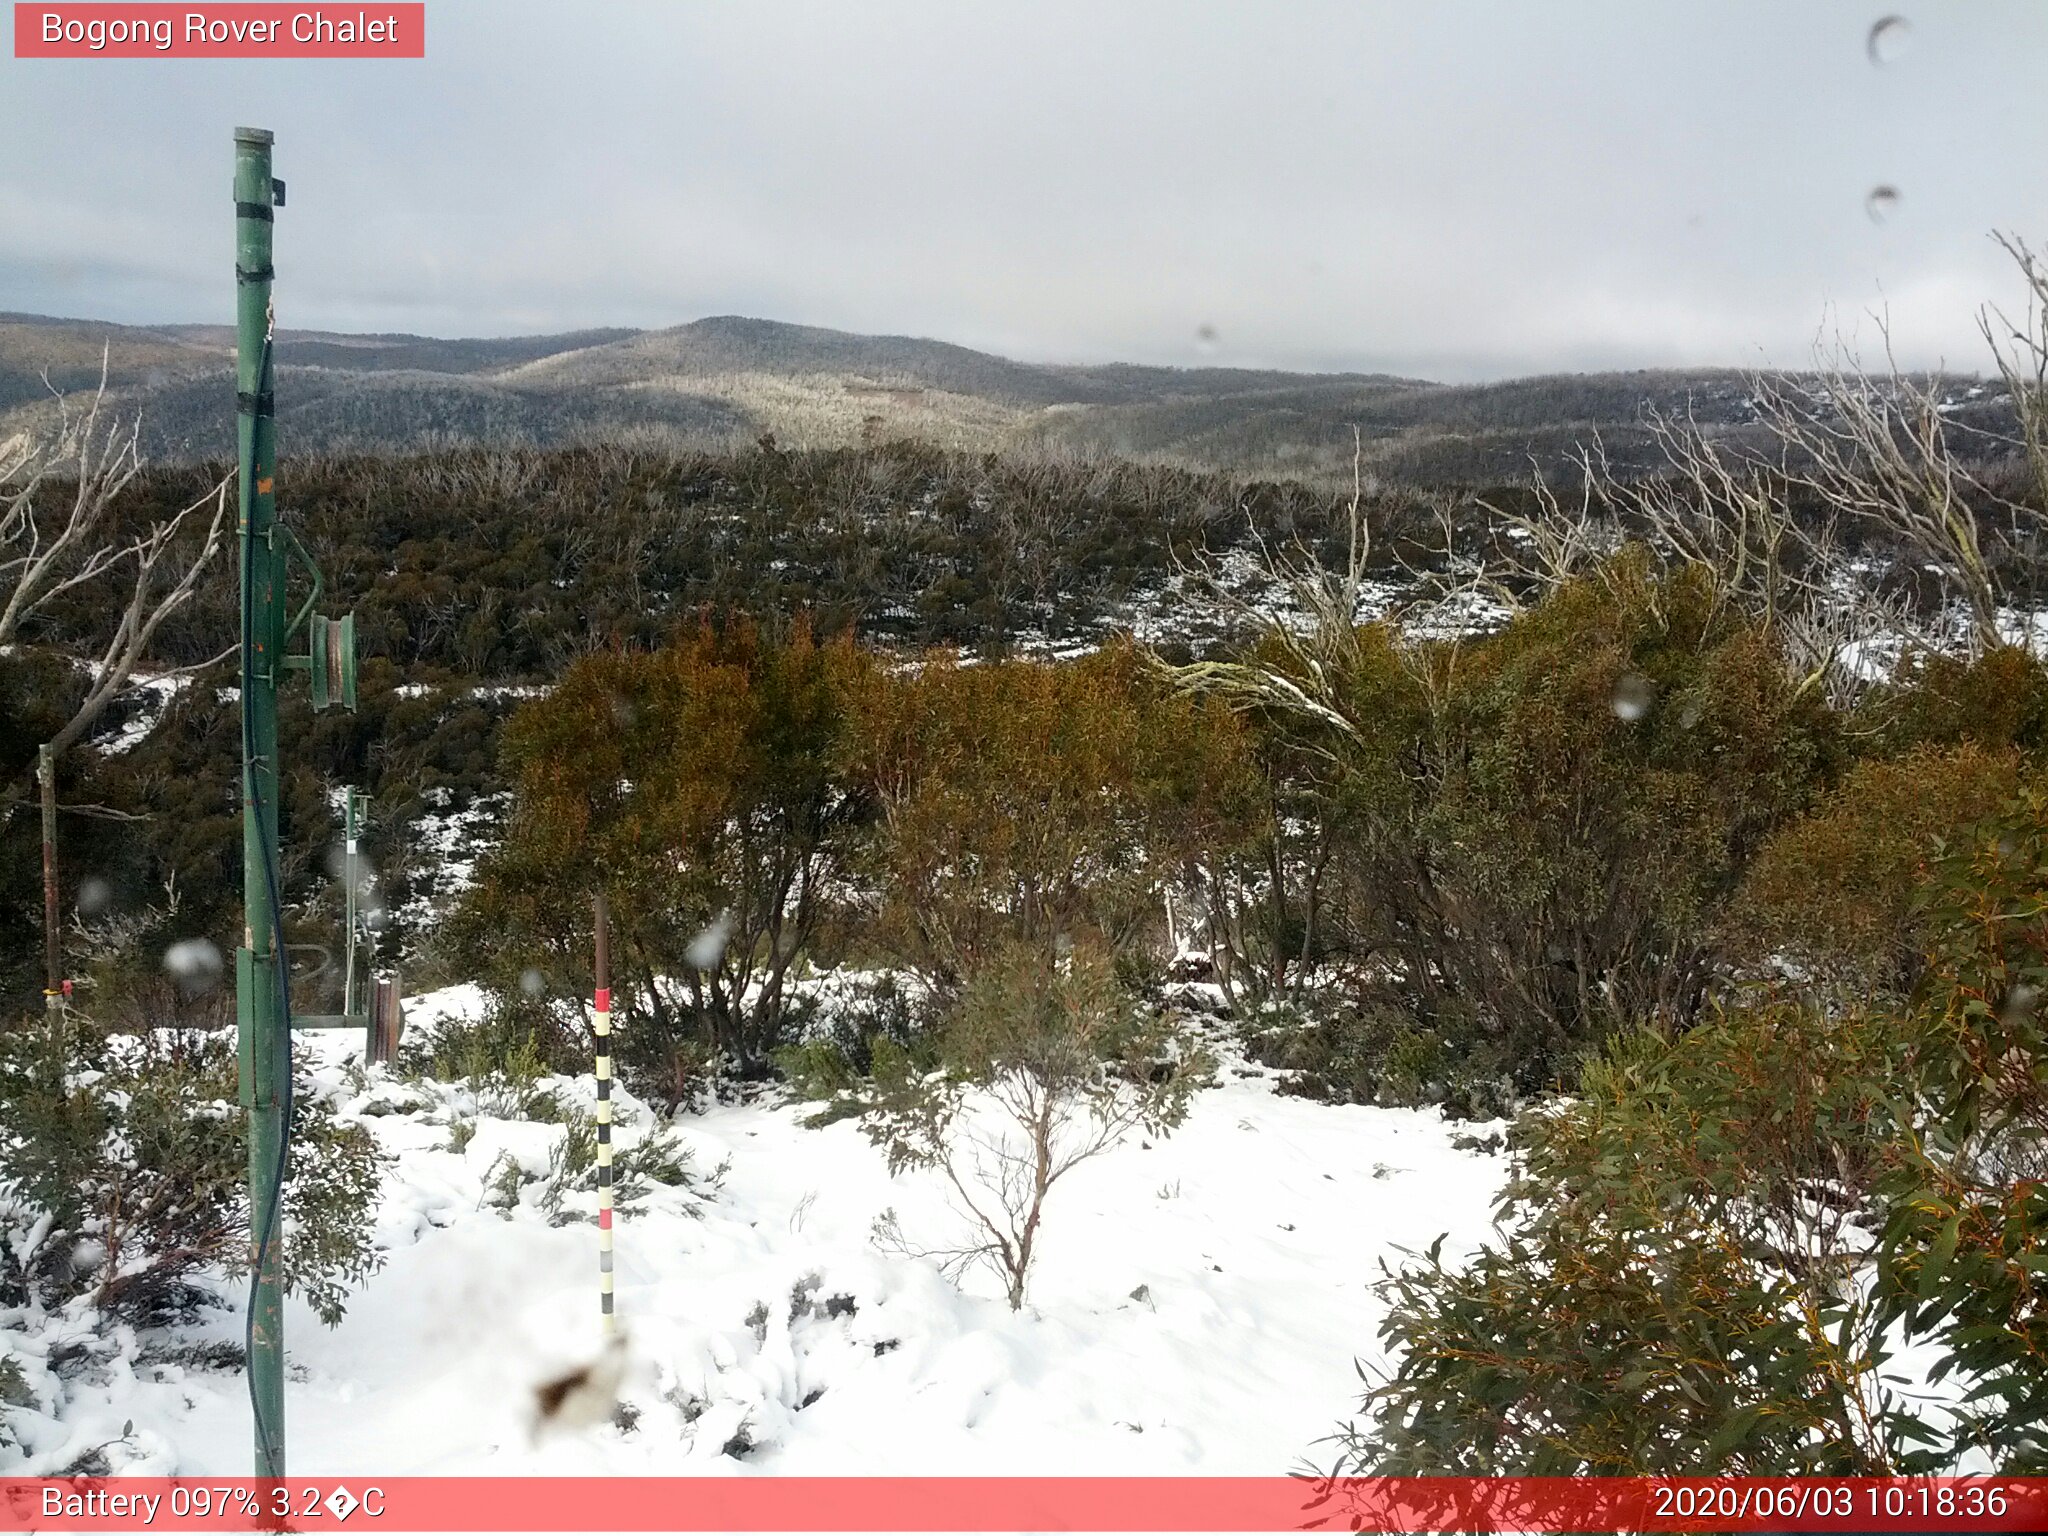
<point>720,383</point>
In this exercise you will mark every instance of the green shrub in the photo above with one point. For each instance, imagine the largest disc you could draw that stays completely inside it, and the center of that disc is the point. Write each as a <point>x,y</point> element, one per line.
<point>14,1393</point>
<point>1606,766</point>
<point>1965,1244</point>
<point>1378,1053</point>
<point>1689,1276</point>
<point>660,1160</point>
<point>639,1166</point>
<point>126,1156</point>
<point>1518,843</point>
<point>1652,1305</point>
<point>1835,892</point>
<point>502,1055</point>
<point>1996,700</point>
<point>833,1064</point>
<point>1043,1065</point>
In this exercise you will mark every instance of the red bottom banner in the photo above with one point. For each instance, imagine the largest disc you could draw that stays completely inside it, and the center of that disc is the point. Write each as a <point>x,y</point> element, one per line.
<point>1110,1504</point>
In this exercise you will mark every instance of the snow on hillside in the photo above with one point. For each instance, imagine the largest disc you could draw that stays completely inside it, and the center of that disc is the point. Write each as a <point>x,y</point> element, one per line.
<point>1199,1305</point>
<point>445,842</point>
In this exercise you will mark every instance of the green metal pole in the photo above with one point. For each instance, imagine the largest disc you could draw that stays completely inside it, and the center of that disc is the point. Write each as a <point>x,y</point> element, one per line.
<point>354,812</point>
<point>260,1010</point>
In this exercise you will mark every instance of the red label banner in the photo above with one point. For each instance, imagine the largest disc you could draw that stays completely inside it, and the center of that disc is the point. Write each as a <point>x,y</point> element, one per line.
<point>117,31</point>
<point>742,1502</point>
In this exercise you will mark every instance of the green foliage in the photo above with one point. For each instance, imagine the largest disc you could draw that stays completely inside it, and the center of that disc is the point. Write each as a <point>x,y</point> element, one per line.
<point>833,1064</point>
<point>1965,1245</point>
<point>576,1153</point>
<point>1654,1303</point>
<point>1837,891</point>
<point>660,1160</point>
<point>696,784</point>
<point>1317,801</point>
<point>1996,700</point>
<point>502,1056</point>
<point>14,1393</point>
<point>1609,764</point>
<point>1516,844</point>
<point>125,1155</point>
<point>1709,1258</point>
<point>1023,802</point>
<point>1375,1052</point>
<point>656,1160</point>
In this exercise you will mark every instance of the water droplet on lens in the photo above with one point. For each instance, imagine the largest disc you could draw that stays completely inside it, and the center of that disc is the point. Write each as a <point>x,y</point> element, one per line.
<point>94,896</point>
<point>1882,203</point>
<point>1205,337</point>
<point>708,948</point>
<point>1888,40</point>
<point>195,963</point>
<point>2020,1004</point>
<point>337,861</point>
<point>1633,693</point>
<point>531,982</point>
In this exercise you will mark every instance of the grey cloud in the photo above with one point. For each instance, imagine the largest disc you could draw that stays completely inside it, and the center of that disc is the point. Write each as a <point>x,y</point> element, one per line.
<point>1453,189</point>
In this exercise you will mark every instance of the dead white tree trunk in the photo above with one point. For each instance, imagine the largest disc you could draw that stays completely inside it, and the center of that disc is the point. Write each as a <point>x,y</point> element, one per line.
<point>47,550</point>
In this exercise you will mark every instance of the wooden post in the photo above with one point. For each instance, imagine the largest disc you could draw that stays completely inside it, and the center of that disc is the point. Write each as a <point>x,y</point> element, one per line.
<point>53,959</point>
<point>387,1020</point>
<point>601,1013</point>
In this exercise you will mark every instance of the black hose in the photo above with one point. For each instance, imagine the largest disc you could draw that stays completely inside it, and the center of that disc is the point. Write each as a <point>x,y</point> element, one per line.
<point>266,1233</point>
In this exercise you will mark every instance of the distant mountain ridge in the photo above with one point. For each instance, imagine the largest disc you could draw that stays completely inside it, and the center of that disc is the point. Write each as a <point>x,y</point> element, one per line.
<point>729,379</point>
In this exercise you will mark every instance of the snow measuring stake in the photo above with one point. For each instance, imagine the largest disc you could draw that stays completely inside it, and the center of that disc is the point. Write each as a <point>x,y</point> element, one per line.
<point>262,974</point>
<point>601,1019</point>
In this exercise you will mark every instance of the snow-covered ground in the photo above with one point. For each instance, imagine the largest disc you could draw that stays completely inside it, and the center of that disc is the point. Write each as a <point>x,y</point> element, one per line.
<point>1198,1306</point>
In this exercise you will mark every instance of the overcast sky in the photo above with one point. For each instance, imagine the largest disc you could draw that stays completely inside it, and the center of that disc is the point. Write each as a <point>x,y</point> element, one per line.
<point>1450,189</point>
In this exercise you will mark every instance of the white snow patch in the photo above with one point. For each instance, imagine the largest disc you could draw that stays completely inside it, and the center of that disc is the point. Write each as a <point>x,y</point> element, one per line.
<point>1198,1306</point>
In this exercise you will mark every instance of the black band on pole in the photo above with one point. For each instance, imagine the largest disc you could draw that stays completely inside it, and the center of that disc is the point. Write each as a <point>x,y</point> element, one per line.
<point>258,275</point>
<point>264,404</point>
<point>255,211</point>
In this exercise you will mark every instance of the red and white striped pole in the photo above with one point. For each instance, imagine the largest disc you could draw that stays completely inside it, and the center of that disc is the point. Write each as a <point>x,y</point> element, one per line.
<point>601,1012</point>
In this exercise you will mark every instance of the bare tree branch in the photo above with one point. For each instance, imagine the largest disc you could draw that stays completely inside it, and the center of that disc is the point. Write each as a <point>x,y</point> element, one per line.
<point>43,556</point>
